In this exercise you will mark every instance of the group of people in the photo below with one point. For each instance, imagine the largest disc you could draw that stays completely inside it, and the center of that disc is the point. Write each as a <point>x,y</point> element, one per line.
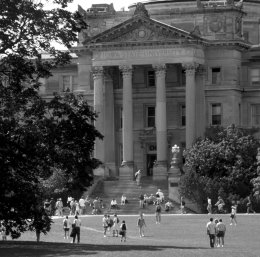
<point>74,227</point>
<point>216,230</point>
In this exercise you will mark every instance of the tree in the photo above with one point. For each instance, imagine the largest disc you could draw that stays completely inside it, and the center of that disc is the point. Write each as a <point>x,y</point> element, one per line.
<point>38,137</point>
<point>223,165</point>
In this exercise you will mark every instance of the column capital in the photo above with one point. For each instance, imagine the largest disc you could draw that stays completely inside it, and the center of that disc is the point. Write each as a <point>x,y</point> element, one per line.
<point>126,70</point>
<point>190,68</point>
<point>98,72</point>
<point>160,69</point>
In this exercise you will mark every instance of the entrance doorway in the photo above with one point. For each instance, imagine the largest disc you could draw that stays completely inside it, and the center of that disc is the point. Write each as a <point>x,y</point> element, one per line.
<point>151,158</point>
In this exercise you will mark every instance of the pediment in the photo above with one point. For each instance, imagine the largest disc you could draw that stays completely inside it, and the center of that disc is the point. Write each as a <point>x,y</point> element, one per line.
<point>141,29</point>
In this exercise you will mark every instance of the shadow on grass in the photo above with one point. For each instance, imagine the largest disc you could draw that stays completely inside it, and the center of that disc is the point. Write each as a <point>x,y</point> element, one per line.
<point>32,249</point>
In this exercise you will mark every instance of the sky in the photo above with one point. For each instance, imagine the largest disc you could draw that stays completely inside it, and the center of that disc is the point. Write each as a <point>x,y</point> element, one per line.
<point>85,4</point>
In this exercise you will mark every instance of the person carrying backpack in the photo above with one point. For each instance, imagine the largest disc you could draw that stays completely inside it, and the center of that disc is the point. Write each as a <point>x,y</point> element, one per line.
<point>158,210</point>
<point>66,227</point>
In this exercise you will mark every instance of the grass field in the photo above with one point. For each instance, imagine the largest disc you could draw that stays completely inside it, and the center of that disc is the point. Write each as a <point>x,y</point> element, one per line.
<point>177,235</point>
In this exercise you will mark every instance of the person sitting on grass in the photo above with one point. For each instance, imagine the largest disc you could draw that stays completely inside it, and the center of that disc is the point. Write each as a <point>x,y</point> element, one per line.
<point>168,206</point>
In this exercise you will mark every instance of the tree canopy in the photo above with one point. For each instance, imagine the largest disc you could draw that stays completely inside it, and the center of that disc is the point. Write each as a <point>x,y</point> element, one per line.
<point>221,165</point>
<point>38,138</point>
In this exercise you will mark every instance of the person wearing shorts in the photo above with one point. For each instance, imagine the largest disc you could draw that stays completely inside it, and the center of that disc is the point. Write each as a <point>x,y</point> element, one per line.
<point>221,230</point>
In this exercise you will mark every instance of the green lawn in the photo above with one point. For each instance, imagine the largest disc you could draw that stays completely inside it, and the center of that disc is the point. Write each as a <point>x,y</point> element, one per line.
<point>177,235</point>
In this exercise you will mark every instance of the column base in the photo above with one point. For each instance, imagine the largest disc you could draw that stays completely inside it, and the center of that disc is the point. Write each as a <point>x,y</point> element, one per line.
<point>112,169</point>
<point>160,170</point>
<point>173,189</point>
<point>126,171</point>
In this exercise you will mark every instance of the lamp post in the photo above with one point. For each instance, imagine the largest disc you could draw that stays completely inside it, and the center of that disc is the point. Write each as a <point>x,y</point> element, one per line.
<point>174,175</point>
<point>175,152</point>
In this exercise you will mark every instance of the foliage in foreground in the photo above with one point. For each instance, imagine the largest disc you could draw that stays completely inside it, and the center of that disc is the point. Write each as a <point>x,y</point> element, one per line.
<point>38,138</point>
<point>223,165</point>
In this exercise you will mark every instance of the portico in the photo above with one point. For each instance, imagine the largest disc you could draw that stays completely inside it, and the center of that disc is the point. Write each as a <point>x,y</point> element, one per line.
<point>190,58</point>
<point>123,52</point>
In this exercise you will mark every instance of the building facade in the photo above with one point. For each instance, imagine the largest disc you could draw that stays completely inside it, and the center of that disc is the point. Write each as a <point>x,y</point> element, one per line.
<point>161,73</point>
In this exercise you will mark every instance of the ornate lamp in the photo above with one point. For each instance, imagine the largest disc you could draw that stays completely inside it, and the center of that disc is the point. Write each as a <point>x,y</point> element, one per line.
<point>175,152</point>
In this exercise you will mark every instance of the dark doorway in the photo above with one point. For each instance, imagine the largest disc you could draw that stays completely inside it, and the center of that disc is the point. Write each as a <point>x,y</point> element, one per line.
<point>151,158</point>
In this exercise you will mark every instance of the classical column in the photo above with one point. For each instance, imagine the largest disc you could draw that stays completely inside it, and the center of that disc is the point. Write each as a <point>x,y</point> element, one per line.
<point>98,76</point>
<point>190,69</point>
<point>127,169</point>
<point>200,101</point>
<point>160,170</point>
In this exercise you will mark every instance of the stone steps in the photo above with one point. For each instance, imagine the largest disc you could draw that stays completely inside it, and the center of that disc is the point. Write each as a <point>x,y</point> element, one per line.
<point>114,189</point>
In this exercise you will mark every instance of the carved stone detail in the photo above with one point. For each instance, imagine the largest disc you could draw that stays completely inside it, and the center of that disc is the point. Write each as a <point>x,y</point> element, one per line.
<point>141,10</point>
<point>98,72</point>
<point>160,69</point>
<point>190,68</point>
<point>126,70</point>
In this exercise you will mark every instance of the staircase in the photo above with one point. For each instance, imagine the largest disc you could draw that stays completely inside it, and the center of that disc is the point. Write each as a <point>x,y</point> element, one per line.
<point>115,188</point>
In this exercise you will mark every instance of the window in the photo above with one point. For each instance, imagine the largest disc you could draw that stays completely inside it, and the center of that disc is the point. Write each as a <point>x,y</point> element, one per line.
<point>150,116</point>
<point>216,114</point>
<point>150,78</point>
<point>256,115</point>
<point>183,115</point>
<point>69,83</point>
<point>255,76</point>
<point>216,72</point>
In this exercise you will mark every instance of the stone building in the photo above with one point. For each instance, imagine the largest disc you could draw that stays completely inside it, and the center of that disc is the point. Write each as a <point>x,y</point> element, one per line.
<point>161,73</point>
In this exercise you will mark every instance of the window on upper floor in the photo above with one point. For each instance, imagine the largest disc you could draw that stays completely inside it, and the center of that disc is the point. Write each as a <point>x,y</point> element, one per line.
<point>150,78</point>
<point>216,75</point>
<point>183,115</point>
<point>150,116</point>
<point>69,83</point>
<point>255,76</point>
<point>216,113</point>
<point>255,109</point>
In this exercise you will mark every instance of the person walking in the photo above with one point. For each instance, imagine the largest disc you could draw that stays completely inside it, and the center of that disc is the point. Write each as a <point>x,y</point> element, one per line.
<point>233,218</point>
<point>211,232</point>
<point>221,230</point>
<point>249,207</point>
<point>116,225</point>
<point>123,231</point>
<point>81,206</point>
<point>183,206</point>
<point>220,204</point>
<point>66,227</point>
<point>77,224</point>
<point>138,176</point>
<point>141,224</point>
<point>105,224</point>
<point>59,207</point>
<point>158,210</point>
<point>209,206</point>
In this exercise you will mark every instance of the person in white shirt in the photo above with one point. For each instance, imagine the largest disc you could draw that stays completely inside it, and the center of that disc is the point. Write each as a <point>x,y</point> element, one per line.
<point>113,204</point>
<point>66,227</point>
<point>123,199</point>
<point>211,231</point>
<point>221,230</point>
<point>233,215</point>
<point>81,206</point>
<point>209,206</point>
<point>160,196</point>
<point>76,229</point>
